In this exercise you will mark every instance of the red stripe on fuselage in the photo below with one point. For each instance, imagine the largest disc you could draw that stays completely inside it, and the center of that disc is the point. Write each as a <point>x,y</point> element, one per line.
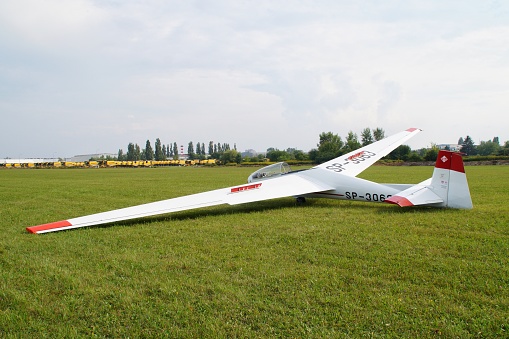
<point>50,226</point>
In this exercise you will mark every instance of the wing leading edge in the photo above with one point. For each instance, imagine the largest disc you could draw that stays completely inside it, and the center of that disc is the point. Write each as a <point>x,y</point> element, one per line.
<point>284,186</point>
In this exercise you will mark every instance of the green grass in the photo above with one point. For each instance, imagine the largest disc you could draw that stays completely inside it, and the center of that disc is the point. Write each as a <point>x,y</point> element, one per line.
<point>268,269</point>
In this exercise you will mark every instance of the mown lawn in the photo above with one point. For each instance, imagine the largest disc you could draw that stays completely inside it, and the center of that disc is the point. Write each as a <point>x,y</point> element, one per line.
<point>269,269</point>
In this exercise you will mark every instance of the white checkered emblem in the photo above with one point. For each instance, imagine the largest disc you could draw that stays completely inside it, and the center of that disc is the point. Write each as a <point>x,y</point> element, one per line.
<point>444,158</point>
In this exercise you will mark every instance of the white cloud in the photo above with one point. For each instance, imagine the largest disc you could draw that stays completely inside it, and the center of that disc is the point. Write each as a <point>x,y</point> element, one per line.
<point>264,74</point>
<point>52,23</point>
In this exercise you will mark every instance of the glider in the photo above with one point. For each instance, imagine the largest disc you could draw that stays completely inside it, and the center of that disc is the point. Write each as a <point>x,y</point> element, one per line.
<point>334,179</point>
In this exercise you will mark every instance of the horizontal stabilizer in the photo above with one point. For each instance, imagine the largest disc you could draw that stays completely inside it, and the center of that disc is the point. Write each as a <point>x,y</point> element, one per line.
<point>415,195</point>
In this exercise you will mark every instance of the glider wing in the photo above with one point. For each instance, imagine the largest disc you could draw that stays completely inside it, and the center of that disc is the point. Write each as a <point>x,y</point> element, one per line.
<point>284,186</point>
<point>355,162</point>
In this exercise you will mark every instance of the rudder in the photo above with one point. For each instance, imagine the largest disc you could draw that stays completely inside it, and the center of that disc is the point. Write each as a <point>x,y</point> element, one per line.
<point>449,180</point>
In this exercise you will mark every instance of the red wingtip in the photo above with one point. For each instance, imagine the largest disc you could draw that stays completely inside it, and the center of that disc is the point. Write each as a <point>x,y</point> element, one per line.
<point>411,129</point>
<point>402,202</point>
<point>45,227</point>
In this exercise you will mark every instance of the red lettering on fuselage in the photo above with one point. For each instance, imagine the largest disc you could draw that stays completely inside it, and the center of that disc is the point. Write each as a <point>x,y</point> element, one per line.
<point>245,188</point>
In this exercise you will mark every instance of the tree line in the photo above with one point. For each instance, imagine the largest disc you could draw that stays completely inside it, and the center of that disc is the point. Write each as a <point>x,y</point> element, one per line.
<point>485,148</point>
<point>330,146</point>
<point>162,151</point>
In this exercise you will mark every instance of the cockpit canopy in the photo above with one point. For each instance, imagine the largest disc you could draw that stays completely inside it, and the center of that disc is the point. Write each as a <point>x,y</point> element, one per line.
<point>270,171</point>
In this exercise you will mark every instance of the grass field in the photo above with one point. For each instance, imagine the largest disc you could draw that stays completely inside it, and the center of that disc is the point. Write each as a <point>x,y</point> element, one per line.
<point>269,269</point>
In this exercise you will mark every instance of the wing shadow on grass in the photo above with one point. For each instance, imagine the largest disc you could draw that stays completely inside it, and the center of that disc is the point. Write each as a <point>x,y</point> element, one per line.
<point>270,205</point>
<point>212,211</point>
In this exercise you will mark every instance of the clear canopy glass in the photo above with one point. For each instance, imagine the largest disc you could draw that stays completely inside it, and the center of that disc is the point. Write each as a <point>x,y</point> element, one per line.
<point>270,171</point>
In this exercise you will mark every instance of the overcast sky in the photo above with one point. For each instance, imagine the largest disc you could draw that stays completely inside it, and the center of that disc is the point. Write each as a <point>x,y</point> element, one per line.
<point>87,76</point>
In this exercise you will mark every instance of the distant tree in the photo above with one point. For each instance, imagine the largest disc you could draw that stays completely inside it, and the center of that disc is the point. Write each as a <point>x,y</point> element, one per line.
<point>149,152</point>
<point>190,150</point>
<point>504,150</point>
<point>211,148</point>
<point>488,148</point>
<point>366,137</point>
<point>313,155</point>
<point>276,155</point>
<point>329,147</point>
<point>230,156</point>
<point>414,156</point>
<point>159,154</point>
<point>351,143</point>
<point>378,134</point>
<point>164,151</point>
<point>402,152</point>
<point>421,152</point>
<point>295,154</point>
<point>431,153</point>
<point>175,151</point>
<point>496,141</point>
<point>120,156</point>
<point>468,146</point>
<point>461,141</point>
<point>299,155</point>
<point>330,143</point>
<point>137,152</point>
<point>168,151</point>
<point>200,151</point>
<point>131,154</point>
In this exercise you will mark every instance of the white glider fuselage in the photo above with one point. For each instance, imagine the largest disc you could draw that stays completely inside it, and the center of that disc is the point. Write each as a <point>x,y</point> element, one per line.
<point>349,188</point>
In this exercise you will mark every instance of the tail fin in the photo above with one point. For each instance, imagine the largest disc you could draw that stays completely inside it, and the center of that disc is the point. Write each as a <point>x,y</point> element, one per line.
<point>449,181</point>
<point>447,188</point>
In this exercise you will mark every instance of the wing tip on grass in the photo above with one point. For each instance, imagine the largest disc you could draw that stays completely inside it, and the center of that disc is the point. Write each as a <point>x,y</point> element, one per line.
<point>48,227</point>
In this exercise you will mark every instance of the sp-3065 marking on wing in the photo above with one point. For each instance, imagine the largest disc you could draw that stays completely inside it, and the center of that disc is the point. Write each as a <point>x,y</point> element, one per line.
<point>335,179</point>
<point>352,160</point>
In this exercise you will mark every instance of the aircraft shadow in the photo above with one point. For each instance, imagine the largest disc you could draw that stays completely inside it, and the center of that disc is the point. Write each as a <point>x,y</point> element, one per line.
<point>268,206</point>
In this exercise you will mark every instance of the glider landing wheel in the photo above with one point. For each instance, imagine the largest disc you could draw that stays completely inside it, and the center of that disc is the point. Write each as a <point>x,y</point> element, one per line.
<point>301,200</point>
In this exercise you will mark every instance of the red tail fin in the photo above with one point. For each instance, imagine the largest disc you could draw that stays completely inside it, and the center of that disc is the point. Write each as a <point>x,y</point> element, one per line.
<point>450,161</point>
